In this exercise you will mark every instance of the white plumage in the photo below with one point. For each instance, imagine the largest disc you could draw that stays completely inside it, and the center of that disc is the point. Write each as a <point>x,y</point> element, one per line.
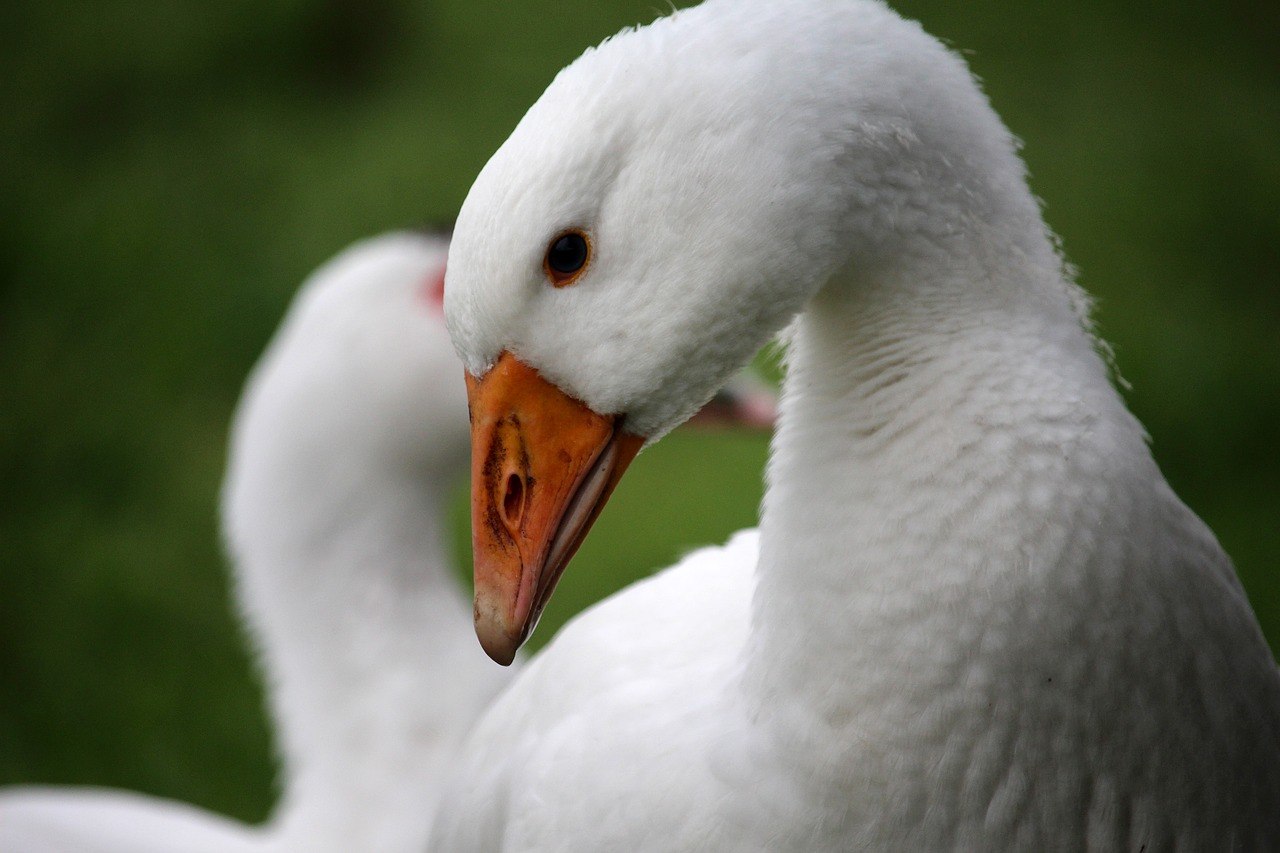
<point>979,619</point>
<point>347,440</point>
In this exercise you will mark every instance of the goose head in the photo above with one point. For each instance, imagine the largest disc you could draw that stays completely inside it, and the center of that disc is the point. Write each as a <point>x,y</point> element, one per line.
<point>587,299</point>
<point>356,394</point>
<point>651,194</point>
<point>672,200</point>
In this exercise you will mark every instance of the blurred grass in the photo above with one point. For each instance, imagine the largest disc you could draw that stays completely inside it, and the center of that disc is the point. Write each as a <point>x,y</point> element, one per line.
<point>172,170</point>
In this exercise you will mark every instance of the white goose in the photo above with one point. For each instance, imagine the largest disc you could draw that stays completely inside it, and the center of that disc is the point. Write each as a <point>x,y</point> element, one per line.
<point>349,434</point>
<point>980,619</point>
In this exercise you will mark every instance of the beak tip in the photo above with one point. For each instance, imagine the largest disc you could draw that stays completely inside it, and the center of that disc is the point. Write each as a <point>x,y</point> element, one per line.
<point>499,645</point>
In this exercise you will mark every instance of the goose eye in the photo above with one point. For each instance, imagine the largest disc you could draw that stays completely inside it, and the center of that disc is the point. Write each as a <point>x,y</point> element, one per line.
<point>567,258</point>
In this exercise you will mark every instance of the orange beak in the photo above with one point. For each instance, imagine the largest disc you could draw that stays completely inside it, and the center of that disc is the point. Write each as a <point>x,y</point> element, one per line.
<point>542,467</point>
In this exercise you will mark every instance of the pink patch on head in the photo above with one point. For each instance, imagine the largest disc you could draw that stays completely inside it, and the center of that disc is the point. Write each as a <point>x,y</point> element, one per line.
<point>432,291</point>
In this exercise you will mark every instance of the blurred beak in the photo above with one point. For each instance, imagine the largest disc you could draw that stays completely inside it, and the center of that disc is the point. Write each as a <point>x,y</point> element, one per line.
<point>542,467</point>
<point>746,401</point>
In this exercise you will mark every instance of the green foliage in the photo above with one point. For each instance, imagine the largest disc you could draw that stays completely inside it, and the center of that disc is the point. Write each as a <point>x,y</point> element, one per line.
<point>173,170</point>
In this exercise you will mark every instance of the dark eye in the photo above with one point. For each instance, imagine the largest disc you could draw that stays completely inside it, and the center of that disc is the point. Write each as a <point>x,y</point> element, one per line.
<point>567,257</point>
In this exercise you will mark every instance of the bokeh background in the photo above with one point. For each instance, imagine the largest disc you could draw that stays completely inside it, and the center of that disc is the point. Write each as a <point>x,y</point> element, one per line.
<point>169,172</point>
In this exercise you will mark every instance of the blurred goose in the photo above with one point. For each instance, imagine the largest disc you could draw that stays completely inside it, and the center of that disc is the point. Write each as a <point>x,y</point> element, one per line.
<point>347,439</point>
<point>979,617</point>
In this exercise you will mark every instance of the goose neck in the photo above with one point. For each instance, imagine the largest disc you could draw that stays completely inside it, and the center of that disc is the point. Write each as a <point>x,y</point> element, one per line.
<point>927,423</point>
<point>365,641</point>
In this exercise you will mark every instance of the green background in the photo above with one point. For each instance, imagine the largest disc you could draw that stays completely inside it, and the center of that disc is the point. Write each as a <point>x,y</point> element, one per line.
<point>171,170</point>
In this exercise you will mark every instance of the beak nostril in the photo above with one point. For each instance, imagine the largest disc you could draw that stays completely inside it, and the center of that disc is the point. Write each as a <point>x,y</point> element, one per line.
<point>513,500</point>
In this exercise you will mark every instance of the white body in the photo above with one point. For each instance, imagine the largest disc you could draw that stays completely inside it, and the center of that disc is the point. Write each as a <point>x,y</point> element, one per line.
<point>980,618</point>
<point>347,440</point>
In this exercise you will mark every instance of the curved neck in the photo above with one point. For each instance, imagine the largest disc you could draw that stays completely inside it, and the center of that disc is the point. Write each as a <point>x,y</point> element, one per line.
<point>896,528</point>
<point>365,641</point>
